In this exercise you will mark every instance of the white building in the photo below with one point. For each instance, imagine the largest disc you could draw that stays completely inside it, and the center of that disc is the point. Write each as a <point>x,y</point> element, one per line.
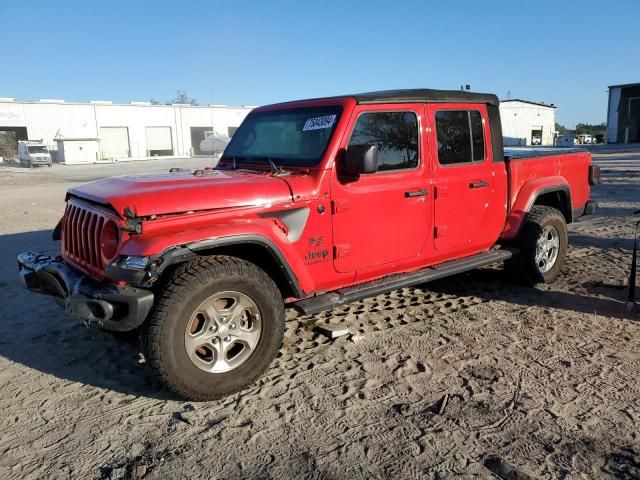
<point>101,130</point>
<point>524,122</point>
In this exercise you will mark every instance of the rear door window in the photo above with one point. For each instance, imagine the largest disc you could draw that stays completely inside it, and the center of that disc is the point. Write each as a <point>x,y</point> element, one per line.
<point>460,136</point>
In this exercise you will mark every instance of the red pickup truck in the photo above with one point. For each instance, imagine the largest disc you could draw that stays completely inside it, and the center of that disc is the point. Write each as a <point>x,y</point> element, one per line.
<point>313,204</point>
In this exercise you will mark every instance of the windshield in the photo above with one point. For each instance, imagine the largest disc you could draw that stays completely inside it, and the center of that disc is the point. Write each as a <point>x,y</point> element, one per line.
<point>37,149</point>
<point>294,137</point>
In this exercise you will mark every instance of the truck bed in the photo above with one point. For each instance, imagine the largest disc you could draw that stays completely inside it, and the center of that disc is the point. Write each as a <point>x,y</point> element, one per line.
<point>531,169</point>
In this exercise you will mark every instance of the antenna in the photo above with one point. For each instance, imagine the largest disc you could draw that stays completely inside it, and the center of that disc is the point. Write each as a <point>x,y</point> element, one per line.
<point>213,108</point>
<point>508,94</point>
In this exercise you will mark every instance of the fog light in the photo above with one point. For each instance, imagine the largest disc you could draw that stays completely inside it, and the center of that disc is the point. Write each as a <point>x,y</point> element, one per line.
<point>134,262</point>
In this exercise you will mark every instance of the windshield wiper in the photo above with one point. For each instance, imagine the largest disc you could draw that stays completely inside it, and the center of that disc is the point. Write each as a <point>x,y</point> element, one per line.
<point>272,164</point>
<point>234,161</point>
<point>270,160</point>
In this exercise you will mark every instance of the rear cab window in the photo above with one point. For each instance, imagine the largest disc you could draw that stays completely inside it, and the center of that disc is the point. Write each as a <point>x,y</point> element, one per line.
<point>460,136</point>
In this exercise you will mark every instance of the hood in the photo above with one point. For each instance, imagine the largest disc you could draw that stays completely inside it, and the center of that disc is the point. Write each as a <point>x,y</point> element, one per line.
<point>174,192</point>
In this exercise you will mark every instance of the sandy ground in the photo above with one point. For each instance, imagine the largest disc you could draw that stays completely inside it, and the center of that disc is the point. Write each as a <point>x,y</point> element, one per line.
<point>463,377</point>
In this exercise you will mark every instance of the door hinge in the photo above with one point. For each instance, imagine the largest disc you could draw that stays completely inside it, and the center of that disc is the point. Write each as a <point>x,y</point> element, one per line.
<point>341,250</point>
<point>440,231</point>
<point>340,206</point>
<point>440,192</point>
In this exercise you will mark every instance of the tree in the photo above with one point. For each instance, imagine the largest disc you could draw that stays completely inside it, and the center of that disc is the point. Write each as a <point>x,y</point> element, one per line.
<point>182,97</point>
<point>153,101</point>
<point>8,144</point>
<point>591,129</point>
<point>562,130</point>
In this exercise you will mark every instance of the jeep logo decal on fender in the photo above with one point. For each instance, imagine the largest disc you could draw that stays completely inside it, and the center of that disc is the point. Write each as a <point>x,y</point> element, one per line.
<point>316,256</point>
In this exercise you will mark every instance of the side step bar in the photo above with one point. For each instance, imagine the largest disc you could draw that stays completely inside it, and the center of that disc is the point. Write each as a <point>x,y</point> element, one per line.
<point>327,301</point>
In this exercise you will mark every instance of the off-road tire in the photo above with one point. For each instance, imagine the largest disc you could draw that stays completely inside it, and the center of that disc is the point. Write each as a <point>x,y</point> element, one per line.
<point>163,333</point>
<point>522,267</point>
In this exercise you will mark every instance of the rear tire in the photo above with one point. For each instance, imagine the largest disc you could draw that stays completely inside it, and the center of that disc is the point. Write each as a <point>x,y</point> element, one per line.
<point>216,326</point>
<point>543,247</point>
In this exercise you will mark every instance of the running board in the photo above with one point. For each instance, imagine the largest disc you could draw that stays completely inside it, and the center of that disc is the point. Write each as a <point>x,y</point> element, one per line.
<point>327,301</point>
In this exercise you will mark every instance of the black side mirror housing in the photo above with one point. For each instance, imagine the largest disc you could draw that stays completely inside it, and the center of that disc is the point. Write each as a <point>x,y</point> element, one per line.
<point>361,159</point>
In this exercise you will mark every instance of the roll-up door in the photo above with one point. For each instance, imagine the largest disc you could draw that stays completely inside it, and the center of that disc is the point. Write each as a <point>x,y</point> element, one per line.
<point>159,141</point>
<point>114,142</point>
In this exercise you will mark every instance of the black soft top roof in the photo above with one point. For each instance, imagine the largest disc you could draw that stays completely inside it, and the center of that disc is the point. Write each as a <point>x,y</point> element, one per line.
<point>426,95</point>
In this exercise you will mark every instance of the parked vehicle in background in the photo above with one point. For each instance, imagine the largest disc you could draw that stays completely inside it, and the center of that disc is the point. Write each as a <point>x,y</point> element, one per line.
<point>566,141</point>
<point>33,153</point>
<point>535,140</point>
<point>314,204</point>
<point>214,142</point>
<point>599,138</point>
<point>584,139</point>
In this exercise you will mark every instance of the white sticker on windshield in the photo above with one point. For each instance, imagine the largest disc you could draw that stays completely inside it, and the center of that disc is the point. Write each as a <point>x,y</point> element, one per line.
<point>316,123</point>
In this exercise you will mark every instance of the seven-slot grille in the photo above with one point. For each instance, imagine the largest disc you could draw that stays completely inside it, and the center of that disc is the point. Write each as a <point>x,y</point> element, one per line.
<point>81,230</point>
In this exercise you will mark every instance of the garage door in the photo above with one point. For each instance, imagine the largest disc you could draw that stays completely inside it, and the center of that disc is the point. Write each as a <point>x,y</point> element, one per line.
<point>114,142</point>
<point>159,141</point>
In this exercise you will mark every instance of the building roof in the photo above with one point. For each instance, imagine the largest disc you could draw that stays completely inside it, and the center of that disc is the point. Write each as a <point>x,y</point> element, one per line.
<point>109,103</point>
<point>623,85</point>
<point>424,95</point>
<point>540,104</point>
<point>64,139</point>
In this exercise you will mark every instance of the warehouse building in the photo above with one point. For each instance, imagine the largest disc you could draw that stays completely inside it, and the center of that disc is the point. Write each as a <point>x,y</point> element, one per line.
<point>101,130</point>
<point>623,114</point>
<point>526,123</point>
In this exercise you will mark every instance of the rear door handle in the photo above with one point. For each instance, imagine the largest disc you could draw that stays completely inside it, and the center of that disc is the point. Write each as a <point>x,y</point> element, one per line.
<point>480,184</point>
<point>418,193</point>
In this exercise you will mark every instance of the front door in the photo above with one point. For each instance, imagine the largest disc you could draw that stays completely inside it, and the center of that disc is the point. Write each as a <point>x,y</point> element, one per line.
<point>463,177</point>
<point>382,217</point>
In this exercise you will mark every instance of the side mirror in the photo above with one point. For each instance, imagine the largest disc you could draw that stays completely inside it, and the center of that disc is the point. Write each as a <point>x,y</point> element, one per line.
<point>361,159</point>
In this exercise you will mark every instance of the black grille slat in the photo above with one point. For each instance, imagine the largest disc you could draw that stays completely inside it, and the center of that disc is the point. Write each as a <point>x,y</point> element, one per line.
<point>91,235</point>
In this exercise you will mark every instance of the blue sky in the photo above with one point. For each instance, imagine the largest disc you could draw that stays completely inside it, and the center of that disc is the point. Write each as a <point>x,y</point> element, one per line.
<point>254,53</point>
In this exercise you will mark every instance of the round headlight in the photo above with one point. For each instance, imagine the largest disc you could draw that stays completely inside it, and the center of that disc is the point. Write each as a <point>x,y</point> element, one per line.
<point>109,240</point>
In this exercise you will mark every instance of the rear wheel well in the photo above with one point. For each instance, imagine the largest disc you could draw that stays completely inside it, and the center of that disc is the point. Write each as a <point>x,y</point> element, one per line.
<point>558,199</point>
<point>258,254</point>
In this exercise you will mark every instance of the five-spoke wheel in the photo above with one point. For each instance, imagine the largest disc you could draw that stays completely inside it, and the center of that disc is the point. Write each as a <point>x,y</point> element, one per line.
<point>547,247</point>
<point>223,332</point>
<point>215,328</point>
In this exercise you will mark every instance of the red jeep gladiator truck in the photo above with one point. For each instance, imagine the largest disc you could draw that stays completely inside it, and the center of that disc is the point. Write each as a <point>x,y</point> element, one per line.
<point>313,204</point>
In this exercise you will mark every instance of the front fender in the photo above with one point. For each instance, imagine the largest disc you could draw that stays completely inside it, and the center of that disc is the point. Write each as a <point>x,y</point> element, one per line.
<point>173,246</point>
<point>526,198</point>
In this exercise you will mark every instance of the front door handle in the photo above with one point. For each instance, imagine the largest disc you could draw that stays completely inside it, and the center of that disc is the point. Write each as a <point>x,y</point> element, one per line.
<point>418,193</point>
<point>480,184</point>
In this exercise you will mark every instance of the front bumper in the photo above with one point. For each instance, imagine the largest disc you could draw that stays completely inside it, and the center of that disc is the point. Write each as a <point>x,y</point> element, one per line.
<point>40,161</point>
<point>107,305</point>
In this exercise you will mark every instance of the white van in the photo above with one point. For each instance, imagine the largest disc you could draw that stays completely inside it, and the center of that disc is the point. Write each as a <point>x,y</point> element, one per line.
<point>585,139</point>
<point>33,153</point>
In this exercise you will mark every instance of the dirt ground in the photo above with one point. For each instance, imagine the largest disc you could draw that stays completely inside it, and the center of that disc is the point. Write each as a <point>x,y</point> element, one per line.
<point>459,378</point>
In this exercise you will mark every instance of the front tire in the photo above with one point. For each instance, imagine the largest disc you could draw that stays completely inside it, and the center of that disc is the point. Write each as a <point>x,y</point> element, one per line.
<point>216,326</point>
<point>543,247</point>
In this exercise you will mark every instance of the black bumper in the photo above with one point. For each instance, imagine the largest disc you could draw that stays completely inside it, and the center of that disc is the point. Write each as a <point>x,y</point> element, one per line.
<point>590,208</point>
<point>107,305</point>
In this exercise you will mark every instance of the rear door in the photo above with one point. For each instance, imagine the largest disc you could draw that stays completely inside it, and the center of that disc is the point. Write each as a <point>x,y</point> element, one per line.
<point>462,175</point>
<point>382,217</point>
